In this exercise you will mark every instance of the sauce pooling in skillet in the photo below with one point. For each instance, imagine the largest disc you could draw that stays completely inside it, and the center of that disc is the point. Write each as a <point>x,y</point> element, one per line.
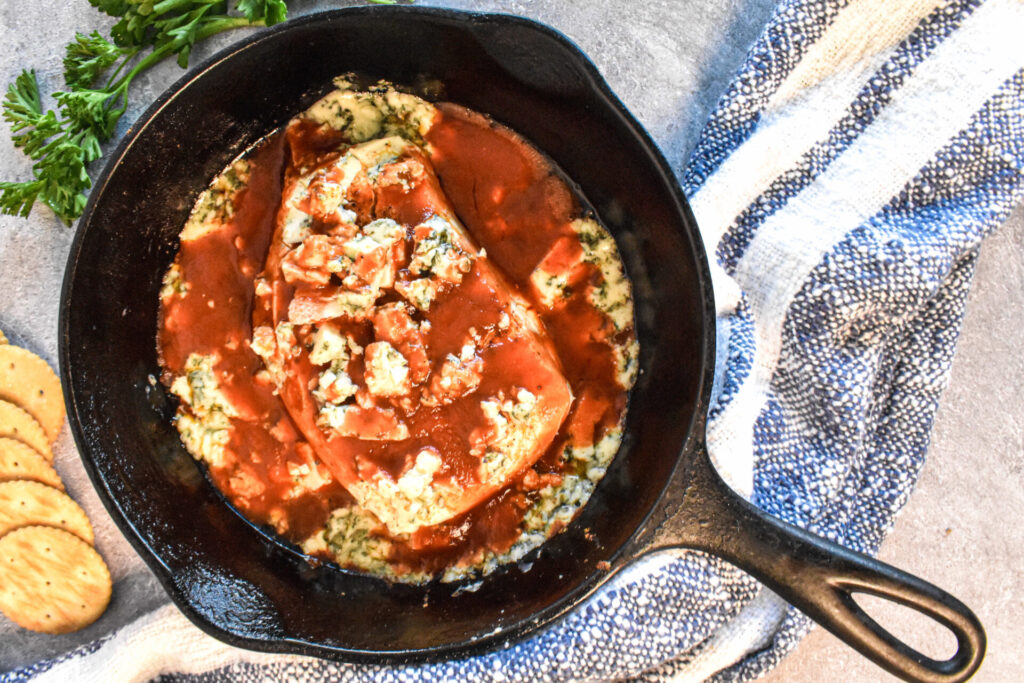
<point>396,340</point>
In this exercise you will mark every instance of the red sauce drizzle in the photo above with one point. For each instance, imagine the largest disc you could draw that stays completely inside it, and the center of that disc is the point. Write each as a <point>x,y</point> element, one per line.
<point>507,195</point>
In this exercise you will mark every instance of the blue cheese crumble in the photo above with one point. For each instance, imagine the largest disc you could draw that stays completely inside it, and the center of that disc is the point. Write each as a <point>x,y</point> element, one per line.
<point>204,415</point>
<point>387,370</point>
<point>436,252</point>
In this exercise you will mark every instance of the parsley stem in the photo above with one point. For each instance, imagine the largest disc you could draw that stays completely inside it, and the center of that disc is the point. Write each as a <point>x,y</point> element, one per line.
<point>212,27</point>
<point>169,5</point>
<point>124,62</point>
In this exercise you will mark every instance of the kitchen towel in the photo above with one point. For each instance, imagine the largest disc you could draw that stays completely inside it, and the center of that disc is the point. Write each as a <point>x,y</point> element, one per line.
<point>843,186</point>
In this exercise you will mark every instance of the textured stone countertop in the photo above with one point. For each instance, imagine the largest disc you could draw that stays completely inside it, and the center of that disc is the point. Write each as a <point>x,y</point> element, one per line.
<point>668,60</point>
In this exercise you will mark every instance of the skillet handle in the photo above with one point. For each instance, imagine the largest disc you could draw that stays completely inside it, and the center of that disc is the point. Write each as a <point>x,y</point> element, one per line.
<point>820,578</point>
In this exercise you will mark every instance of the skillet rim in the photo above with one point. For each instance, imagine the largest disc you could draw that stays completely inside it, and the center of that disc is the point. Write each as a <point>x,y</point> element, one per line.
<point>629,551</point>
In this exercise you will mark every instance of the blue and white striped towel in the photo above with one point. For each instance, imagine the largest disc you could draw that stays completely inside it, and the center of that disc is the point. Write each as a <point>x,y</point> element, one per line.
<point>843,185</point>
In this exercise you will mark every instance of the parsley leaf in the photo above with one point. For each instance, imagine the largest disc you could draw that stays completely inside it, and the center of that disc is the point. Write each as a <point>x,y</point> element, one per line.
<point>97,74</point>
<point>30,125</point>
<point>114,8</point>
<point>88,57</point>
<point>269,11</point>
<point>16,199</point>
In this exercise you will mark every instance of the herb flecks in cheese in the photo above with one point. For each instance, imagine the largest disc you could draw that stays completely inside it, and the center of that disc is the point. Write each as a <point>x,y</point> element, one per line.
<point>173,283</point>
<point>205,438</point>
<point>613,295</point>
<point>384,231</point>
<point>307,477</point>
<point>298,225</point>
<point>627,362</point>
<point>287,343</point>
<point>436,252</point>
<point>594,459</point>
<point>367,114</point>
<point>551,288</point>
<point>458,376</point>
<point>554,506</point>
<point>350,537</point>
<point>438,262</point>
<point>514,424</point>
<point>411,502</point>
<point>328,190</point>
<point>553,279</point>
<point>321,195</point>
<point>332,348</point>
<point>375,154</point>
<point>199,388</point>
<point>420,292</point>
<point>203,418</point>
<point>216,204</point>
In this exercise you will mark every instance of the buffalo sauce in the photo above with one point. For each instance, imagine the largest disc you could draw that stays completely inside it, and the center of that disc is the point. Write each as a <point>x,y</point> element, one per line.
<point>214,316</point>
<point>520,211</point>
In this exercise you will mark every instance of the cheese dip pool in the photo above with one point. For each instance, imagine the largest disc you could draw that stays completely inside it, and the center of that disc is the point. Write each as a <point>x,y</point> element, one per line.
<point>395,339</point>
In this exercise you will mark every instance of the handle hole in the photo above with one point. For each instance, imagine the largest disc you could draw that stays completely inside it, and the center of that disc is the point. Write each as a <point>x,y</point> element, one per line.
<point>921,632</point>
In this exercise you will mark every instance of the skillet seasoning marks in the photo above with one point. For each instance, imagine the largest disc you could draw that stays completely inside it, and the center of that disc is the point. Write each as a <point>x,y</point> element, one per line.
<point>396,340</point>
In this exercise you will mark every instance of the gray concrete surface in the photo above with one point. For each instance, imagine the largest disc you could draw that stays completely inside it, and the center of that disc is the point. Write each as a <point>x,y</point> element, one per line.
<point>668,60</point>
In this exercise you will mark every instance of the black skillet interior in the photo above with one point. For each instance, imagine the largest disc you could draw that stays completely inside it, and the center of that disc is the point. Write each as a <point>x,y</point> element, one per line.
<point>221,571</point>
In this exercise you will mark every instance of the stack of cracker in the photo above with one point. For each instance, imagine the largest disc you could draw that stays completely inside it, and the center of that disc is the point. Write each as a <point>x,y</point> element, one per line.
<point>51,578</point>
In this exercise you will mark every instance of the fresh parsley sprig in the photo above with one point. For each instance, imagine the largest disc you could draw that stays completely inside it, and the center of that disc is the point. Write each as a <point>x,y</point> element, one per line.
<point>97,75</point>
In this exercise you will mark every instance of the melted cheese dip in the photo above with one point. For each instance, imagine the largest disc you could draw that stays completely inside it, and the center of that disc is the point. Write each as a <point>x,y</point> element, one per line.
<point>395,339</point>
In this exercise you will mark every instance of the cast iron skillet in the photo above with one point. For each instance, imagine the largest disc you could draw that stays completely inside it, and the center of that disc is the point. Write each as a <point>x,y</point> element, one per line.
<point>238,584</point>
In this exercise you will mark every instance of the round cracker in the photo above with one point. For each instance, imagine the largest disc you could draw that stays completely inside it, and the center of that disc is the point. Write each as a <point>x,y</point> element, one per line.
<point>19,461</point>
<point>17,424</point>
<point>3,339</point>
<point>28,381</point>
<point>27,503</point>
<point>51,581</point>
